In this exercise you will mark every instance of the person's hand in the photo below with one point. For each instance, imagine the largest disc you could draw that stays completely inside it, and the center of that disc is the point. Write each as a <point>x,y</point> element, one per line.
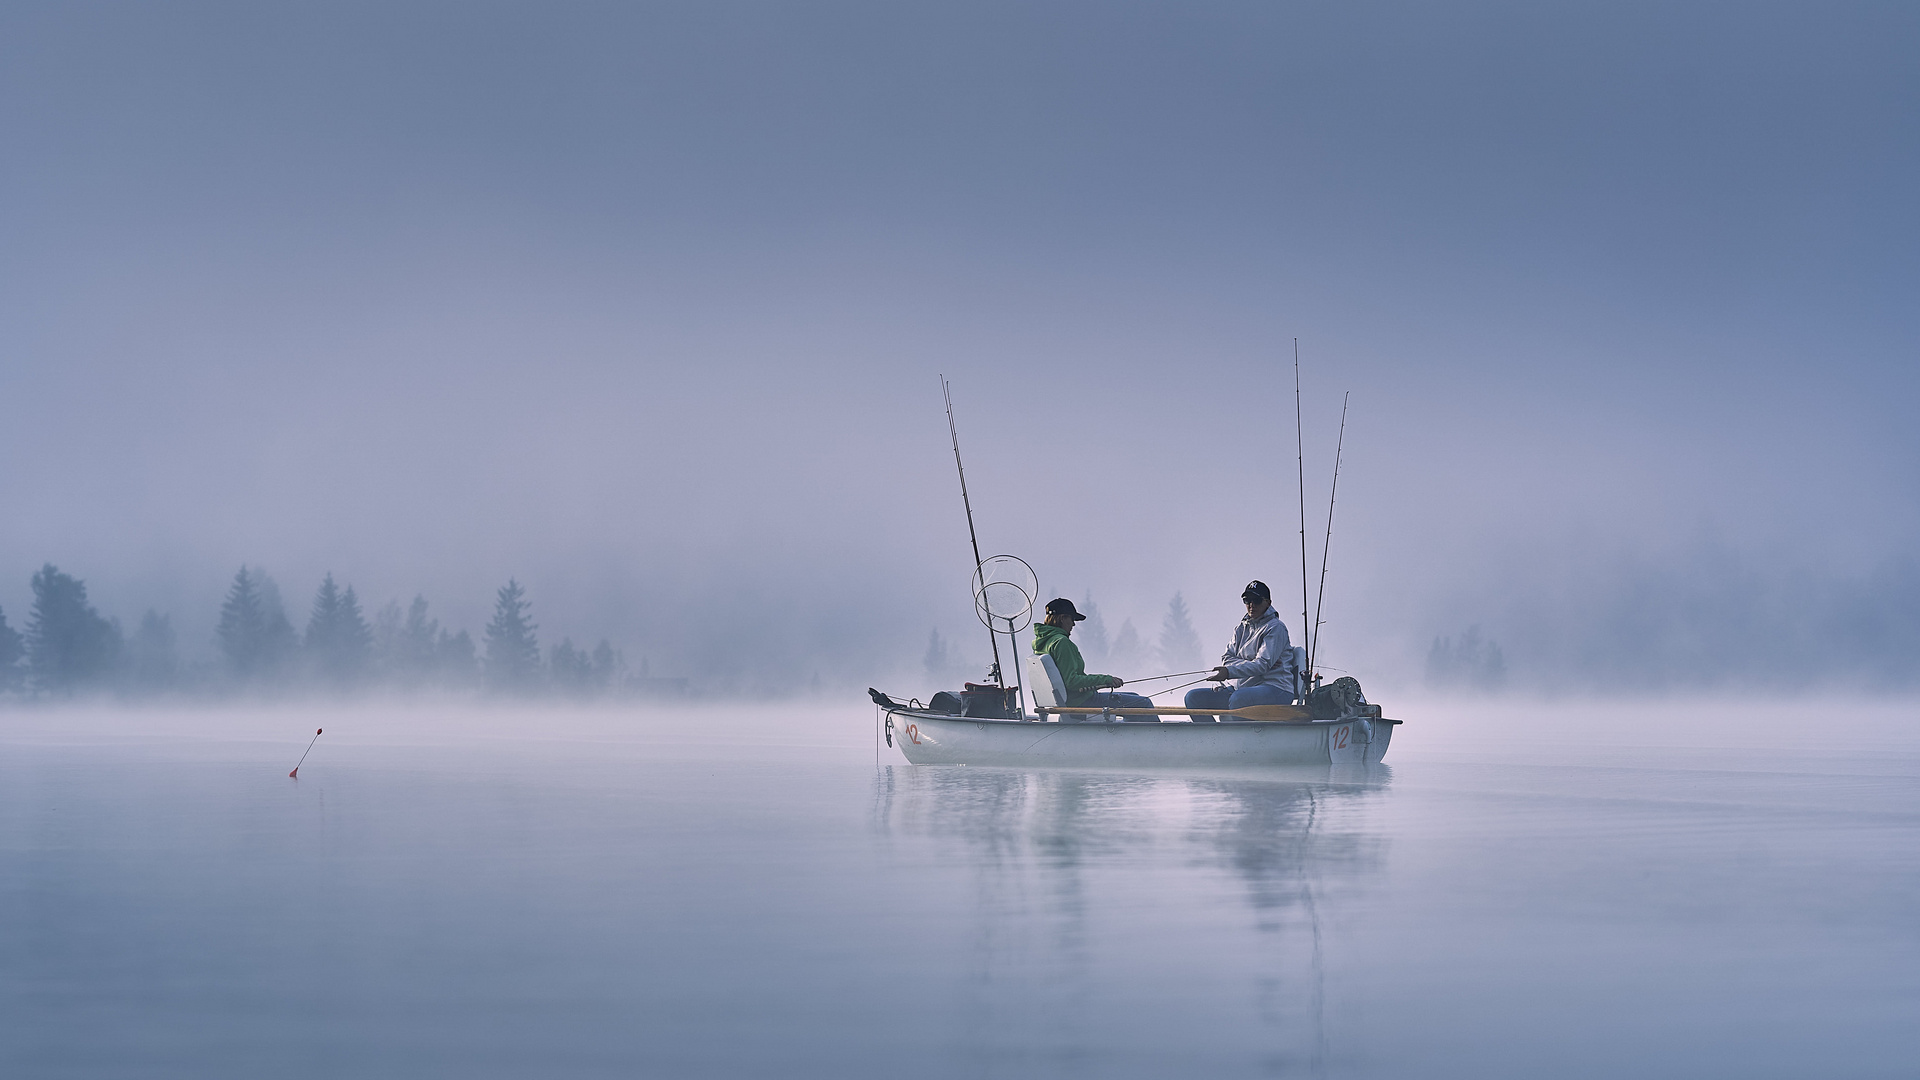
<point>1117,682</point>
<point>1219,675</point>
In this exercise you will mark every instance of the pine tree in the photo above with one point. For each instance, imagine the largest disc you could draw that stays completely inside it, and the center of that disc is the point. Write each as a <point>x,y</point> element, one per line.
<point>936,658</point>
<point>12,648</point>
<point>1493,669</point>
<point>606,665</point>
<point>353,638</point>
<point>322,625</point>
<point>156,659</point>
<point>1094,646</point>
<point>281,642</point>
<point>1179,644</point>
<point>242,624</point>
<point>254,632</point>
<point>455,661</point>
<point>406,646</point>
<point>1466,662</point>
<point>386,640</point>
<point>1126,651</point>
<point>419,637</point>
<point>570,669</point>
<point>513,653</point>
<point>339,641</point>
<point>1440,662</point>
<point>69,646</point>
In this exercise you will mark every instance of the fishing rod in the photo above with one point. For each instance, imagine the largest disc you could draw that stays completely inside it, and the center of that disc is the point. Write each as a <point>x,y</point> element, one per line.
<point>992,638</point>
<point>1300,449</point>
<point>1175,675</point>
<point>1184,685</point>
<point>1313,651</point>
<point>295,774</point>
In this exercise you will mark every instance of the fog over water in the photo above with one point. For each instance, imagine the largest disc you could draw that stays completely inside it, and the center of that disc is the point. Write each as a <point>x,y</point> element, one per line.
<point>748,889</point>
<point>544,401</point>
<point>644,308</point>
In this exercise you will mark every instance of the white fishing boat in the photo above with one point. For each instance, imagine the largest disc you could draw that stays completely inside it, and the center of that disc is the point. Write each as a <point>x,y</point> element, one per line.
<point>928,738</point>
<point>1055,736</point>
<point>990,724</point>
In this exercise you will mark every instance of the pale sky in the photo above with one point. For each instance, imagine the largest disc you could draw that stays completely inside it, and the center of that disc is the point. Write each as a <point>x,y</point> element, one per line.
<point>645,305</point>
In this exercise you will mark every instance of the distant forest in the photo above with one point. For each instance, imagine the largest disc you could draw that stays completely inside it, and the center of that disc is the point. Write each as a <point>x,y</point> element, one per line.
<point>66,647</point>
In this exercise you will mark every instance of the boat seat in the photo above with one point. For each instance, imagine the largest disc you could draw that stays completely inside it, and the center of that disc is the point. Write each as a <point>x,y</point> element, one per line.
<point>1049,689</point>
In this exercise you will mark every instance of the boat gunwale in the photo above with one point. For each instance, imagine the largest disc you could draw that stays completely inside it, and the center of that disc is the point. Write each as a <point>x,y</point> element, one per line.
<point>1147,726</point>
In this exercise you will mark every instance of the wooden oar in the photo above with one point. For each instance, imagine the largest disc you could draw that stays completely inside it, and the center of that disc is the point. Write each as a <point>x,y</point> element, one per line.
<point>1296,714</point>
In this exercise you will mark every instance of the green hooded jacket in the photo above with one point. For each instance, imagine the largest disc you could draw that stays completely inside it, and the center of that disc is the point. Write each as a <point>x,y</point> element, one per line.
<point>1073,670</point>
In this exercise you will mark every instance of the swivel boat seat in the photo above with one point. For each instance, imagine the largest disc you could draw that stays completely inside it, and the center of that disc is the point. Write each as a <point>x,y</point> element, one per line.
<point>1049,689</point>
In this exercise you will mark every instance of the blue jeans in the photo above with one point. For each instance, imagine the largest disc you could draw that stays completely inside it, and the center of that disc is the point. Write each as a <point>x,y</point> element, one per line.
<point>1227,697</point>
<point>1114,699</point>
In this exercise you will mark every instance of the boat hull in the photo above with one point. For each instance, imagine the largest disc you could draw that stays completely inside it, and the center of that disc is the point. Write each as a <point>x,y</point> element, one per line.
<point>939,739</point>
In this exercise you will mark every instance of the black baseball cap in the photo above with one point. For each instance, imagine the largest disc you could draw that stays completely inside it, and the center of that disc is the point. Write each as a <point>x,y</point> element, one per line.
<point>1256,589</point>
<point>1062,606</point>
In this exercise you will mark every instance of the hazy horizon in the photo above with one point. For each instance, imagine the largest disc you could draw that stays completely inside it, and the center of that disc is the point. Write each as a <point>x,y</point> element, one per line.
<point>646,309</point>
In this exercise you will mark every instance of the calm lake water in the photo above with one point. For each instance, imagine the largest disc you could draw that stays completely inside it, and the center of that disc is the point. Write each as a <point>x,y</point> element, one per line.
<point>1685,890</point>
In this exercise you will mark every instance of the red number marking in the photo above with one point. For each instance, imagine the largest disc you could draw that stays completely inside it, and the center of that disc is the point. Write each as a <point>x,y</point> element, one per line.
<point>913,732</point>
<point>1340,738</point>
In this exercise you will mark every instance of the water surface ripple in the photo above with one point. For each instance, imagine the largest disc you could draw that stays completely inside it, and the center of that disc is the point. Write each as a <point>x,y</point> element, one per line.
<point>744,892</point>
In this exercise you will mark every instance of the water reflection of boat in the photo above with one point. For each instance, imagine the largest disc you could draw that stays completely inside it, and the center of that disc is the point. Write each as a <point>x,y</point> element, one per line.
<point>1118,893</point>
<point>931,738</point>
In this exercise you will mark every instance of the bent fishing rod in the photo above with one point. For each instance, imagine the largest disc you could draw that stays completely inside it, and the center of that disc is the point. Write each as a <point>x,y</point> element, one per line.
<point>992,638</point>
<point>1300,461</point>
<point>1313,650</point>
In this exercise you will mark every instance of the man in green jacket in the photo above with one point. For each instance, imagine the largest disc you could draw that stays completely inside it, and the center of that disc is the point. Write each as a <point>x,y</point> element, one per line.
<point>1051,637</point>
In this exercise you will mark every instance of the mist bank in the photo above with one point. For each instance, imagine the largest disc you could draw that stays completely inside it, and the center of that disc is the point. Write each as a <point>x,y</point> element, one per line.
<point>1704,620</point>
<point>1707,618</point>
<point>67,648</point>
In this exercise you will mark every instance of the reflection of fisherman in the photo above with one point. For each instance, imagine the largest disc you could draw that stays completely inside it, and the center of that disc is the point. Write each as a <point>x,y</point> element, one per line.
<point>1260,657</point>
<point>1051,637</point>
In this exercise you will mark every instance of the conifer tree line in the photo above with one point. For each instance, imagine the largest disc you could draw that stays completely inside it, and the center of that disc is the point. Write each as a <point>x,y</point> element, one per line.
<point>66,647</point>
<point>1468,661</point>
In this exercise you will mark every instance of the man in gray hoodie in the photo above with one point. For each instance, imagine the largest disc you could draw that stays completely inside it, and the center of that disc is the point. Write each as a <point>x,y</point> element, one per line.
<point>1260,660</point>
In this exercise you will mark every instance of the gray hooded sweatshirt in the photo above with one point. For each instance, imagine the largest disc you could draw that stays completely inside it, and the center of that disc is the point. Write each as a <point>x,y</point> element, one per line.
<point>1260,654</point>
